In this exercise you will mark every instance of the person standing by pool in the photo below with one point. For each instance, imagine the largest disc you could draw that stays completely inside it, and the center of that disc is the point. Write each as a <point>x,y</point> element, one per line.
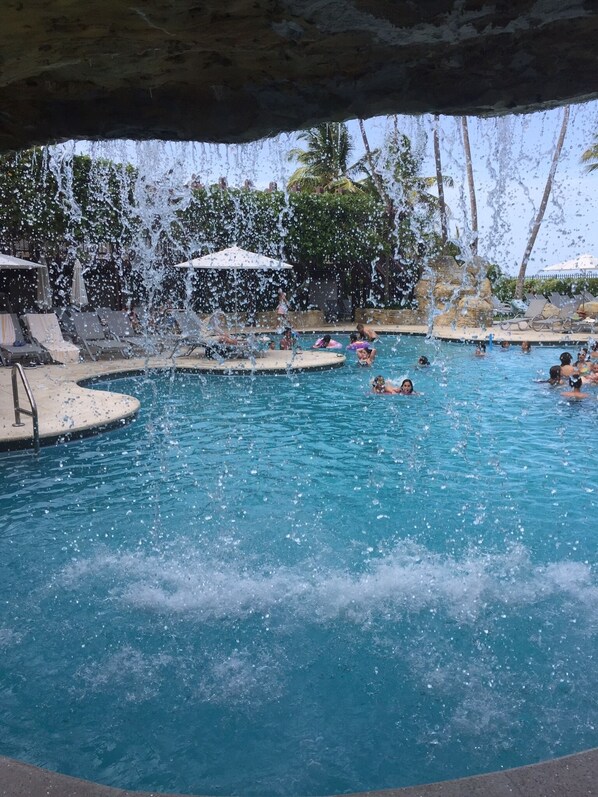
<point>282,308</point>
<point>366,333</point>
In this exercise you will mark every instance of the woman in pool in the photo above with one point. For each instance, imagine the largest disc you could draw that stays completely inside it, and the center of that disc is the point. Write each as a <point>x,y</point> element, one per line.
<point>480,350</point>
<point>526,347</point>
<point>555,377</point>
<point>355,342</point>
<point>366,356</point>
<point>575,392</point>
<point>406,388</point>
<point>582,366</point>
<point>381,386</point>
<point>326,342</point>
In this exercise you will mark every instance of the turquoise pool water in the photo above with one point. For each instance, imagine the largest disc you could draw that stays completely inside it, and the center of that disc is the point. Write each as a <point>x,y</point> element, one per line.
<point>284,585</point>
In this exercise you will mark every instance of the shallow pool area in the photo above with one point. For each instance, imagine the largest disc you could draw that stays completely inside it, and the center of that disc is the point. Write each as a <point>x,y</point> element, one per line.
<point>284,585</point>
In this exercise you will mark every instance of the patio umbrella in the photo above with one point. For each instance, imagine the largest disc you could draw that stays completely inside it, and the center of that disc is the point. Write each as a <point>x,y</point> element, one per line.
<point>235,259</point>
<point>78,293</point>
<point>43,292</point>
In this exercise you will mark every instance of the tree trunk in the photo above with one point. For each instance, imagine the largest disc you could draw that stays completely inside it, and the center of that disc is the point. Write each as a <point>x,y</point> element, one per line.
<point>543,204</point>
<point>472,199</point>
<point>440,182</point>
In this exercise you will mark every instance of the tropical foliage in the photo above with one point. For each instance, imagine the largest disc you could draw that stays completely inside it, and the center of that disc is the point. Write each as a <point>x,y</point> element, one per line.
<point>590,156</point>
<point>324,161</point>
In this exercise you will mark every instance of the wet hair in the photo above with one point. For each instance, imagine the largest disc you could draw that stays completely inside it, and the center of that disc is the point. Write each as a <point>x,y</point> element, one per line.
<point>378,382</point>
<point>423,360</point>
<point>481,346</point>
<point>565,358</point>
<point>406,381</point>
<point>353,337</point>
<point>555,372</point>
<point>324,341</point>
<point>575,381</point>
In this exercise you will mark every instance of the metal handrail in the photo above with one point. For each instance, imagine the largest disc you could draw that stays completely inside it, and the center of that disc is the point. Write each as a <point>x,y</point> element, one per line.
<point>18,369</point>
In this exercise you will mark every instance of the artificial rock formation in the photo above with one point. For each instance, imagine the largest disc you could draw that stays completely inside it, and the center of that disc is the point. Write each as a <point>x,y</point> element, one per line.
<point>451,294</point>
<point>236,70</point>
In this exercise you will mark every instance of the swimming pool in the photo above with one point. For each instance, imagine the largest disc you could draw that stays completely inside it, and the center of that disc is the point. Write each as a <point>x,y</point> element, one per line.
<point>283,585</point>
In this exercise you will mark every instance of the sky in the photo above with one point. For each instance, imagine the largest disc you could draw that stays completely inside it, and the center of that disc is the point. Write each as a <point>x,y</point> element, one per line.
<point>511,160</point>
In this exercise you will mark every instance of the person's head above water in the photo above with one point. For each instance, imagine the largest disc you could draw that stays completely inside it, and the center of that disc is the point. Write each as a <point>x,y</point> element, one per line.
<point>378,383</point>
<point>423,360</point>
<point>353,337</point>
<point>555,372</point>
<point>325,340</point>
<point>575,382</point>
<point>407,386</point>
<point>565,358</point>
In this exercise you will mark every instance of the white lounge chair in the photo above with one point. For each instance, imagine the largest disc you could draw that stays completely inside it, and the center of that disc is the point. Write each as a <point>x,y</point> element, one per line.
<point>45,330</point>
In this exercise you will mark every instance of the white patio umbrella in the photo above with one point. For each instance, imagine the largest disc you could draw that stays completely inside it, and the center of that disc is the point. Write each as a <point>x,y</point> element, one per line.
<point>235,259</point>
<point>78,293</point>
<point>583,265</point>
<point>43,292</point>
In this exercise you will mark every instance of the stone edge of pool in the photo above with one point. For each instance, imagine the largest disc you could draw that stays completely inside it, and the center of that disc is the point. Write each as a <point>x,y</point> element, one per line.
<point>69,410</point>
<point>570,776</point>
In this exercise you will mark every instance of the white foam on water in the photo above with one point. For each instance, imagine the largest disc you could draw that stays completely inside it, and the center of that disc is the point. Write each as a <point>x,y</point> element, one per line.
<point>136,676</point>
<point>9,638</point>
<point>407,580</point>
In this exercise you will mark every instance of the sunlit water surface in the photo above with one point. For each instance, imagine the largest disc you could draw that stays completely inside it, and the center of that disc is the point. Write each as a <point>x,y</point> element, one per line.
<point>283,585</point>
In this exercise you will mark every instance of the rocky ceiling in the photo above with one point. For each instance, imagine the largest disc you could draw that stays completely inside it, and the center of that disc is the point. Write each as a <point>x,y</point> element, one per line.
<point>236,70</point>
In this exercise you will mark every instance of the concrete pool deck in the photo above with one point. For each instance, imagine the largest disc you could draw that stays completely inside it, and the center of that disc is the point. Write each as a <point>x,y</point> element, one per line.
<point>570,776</point>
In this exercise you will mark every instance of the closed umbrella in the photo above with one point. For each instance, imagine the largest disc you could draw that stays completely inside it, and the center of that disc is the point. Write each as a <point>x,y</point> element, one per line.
<point>78,293</point>
<point>44,293</point>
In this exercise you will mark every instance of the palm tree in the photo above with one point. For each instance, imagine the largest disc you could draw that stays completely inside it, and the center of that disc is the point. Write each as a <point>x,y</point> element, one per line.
<point>543,204</point>
<point>325,161</point>
<point>440,181</point>
<point>590,156</point>
<point>472,200</point>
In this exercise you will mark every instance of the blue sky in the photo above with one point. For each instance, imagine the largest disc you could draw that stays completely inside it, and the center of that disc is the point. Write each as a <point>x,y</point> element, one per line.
<point>511,158</point>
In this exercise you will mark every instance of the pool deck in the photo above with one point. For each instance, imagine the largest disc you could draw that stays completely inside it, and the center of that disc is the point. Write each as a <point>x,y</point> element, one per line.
<point>571,776</point>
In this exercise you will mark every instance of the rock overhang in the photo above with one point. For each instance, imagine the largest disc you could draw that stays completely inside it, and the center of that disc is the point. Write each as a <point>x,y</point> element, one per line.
<point>237,70</point>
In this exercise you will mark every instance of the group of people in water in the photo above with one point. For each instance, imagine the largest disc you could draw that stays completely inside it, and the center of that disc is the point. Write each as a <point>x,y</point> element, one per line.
<point>574,375</point>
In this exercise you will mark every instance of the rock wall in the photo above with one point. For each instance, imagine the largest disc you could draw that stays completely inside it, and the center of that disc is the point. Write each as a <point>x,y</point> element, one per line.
<point>236,70</point>
<point>455,295</point>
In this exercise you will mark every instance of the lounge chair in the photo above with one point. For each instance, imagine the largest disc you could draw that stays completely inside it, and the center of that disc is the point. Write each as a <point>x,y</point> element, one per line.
<point>119,325</point>
<point>44,330</point>
<point>523,321</point>
<point>500,308</point>
<point>93,337</point>
<point>209,335</point>
<point>13,345</point>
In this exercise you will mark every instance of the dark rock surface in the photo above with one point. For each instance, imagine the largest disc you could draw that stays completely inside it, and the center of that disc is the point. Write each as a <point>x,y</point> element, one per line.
<point>235,70</point>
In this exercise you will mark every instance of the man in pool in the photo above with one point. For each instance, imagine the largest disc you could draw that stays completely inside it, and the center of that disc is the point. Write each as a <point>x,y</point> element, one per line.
<point>575,392</point>
<point>366,333</point>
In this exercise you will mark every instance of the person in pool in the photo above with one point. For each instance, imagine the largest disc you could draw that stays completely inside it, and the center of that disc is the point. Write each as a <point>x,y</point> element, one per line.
<point>555,378</point>
<point>380,386</point>
<point>526,347</point>
<point>575,383</point>
<point>355,342</point>
<point>288,340</point>
<point>505,345</point>
<point>366,356</point>
<point>423,361</point>
<point>567,368</point>
<point>326,342</point>
<point>366,333</point>
<point>480,350</point>
<point>406,388</point>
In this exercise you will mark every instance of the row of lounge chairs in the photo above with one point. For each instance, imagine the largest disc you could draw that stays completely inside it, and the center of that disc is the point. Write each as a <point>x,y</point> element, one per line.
<point>110,333</point>
<point>558,314</point>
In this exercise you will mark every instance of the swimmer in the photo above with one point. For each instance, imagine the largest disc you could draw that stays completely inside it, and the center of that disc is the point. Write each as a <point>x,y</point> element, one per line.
<point>505,345</point>
<point>567,368</point>
<point>366,333</point>
<point>381,386</point>
<point>582,366</point>
<point>526,347</point>
<point>555,376</point>
<point>480,350</point>
<point>355,342</point>
<point>575,392</point>
<point>407,388</point>
<point>423,361</point>
<point>326,342</point>
<point>366,356</point>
